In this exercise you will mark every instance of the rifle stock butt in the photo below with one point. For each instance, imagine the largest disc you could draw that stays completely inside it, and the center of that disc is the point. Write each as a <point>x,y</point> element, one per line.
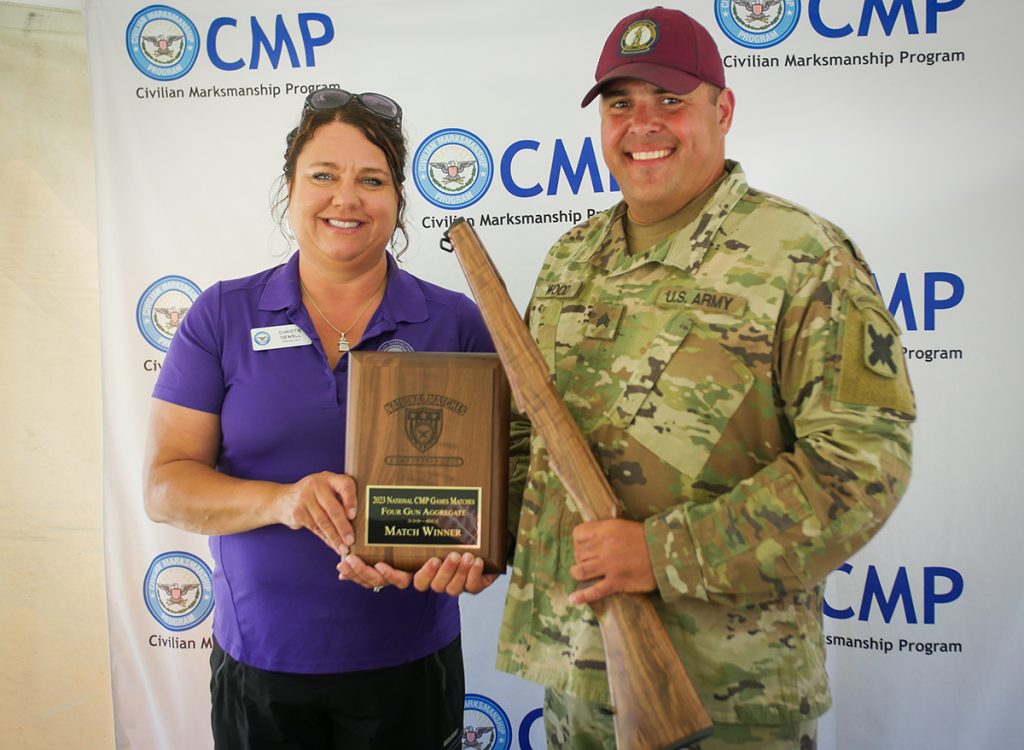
<point>656,706</point>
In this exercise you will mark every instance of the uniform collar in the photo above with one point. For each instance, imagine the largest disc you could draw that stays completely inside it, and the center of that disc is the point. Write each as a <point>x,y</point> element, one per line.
<point>686,248</point>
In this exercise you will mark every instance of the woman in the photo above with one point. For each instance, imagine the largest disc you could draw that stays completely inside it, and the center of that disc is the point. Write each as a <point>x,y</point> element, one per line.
<point>246,444</point>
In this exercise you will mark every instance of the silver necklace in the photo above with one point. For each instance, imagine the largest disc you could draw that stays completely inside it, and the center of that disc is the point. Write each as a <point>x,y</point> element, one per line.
<point>343,345</point>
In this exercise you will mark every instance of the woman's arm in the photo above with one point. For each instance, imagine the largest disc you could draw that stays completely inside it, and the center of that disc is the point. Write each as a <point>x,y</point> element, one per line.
<point>182,488</point>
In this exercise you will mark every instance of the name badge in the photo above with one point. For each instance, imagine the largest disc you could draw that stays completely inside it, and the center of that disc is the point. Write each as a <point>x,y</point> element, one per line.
<point>278,337</point>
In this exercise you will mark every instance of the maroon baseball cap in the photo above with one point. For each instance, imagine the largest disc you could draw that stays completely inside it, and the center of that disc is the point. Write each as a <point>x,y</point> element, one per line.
<point>661,46</point>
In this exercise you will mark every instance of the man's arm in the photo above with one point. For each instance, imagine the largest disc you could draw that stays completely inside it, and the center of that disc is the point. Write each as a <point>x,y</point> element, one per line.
<point>845,394</point>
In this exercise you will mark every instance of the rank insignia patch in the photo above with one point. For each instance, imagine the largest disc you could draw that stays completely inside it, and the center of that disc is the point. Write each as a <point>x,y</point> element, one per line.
<point>603,321</point>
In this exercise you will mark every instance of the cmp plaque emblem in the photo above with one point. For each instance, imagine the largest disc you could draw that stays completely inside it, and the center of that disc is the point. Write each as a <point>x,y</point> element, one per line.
<point>423,427</point>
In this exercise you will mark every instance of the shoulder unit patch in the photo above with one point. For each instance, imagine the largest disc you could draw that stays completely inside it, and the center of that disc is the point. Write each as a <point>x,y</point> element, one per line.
<point>873,371</point>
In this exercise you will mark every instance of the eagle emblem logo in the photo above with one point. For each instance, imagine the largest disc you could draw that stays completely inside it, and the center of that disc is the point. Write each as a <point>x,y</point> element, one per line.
<point>757,16</point>
<point>452,168</point>
<point>162,43</point>
<point>178,590</point>
<point>476,738</point>
<point>757,23</point>
<point>178,597</point>
<point>163,307</point>
<point>167,319</point>
<point>164,48</point>
<point>486,725</point>
<point>452,175</point>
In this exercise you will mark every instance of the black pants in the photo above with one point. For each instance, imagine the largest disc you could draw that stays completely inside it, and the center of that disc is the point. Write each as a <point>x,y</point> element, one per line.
<point>416,705</point>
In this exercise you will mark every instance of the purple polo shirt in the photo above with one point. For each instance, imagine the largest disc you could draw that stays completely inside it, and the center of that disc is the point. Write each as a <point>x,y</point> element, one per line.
<point>279,603</point>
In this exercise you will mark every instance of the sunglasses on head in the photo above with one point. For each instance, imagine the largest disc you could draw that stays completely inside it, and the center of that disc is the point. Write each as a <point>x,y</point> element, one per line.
<point>324,99</point>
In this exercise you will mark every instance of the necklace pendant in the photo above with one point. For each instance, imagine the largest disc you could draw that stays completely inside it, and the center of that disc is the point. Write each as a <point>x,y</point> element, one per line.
<point>343,344</point>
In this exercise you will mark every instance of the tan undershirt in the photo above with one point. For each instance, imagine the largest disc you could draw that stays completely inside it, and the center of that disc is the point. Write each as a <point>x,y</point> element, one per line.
<point>640,237</point>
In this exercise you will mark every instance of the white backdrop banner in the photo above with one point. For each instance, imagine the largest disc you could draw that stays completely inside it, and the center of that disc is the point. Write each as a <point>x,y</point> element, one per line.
<point>896,119</point>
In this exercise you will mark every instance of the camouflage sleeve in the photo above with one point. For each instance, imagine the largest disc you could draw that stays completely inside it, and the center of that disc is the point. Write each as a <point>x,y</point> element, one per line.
<point>844,398</point>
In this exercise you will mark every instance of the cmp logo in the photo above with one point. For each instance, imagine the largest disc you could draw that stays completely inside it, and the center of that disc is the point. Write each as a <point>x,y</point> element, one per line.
<point>162,42</point>
<point>452,168</point>
<point>162,307</point>
<point>178,590</point>
<point>395,345</point>
<point>757,23</point>
<point>486,725</point>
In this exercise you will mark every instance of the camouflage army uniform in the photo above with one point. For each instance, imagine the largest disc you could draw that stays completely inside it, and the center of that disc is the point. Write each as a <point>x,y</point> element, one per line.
<point>744,389</point>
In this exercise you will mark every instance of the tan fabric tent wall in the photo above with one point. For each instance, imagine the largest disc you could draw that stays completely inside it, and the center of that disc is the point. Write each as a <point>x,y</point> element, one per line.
<point>55,675</point>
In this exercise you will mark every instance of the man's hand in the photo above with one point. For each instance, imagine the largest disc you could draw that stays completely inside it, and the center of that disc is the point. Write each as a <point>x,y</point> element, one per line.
<point>458,574</point>
<point>614,551</point>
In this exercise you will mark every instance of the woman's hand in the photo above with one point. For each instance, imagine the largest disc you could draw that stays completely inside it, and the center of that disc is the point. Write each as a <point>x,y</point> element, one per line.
<point>324,503</point>
<point>352,568</point>
<point>457,574</point>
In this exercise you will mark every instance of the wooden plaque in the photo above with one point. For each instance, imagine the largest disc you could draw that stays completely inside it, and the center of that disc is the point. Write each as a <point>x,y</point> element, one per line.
<point>427,444</point>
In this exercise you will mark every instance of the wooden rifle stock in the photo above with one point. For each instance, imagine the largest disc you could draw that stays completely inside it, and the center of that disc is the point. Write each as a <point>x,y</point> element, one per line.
<point>655,704</point>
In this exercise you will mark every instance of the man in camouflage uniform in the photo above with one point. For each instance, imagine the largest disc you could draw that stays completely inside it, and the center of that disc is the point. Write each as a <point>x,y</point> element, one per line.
<point>742,384</point>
